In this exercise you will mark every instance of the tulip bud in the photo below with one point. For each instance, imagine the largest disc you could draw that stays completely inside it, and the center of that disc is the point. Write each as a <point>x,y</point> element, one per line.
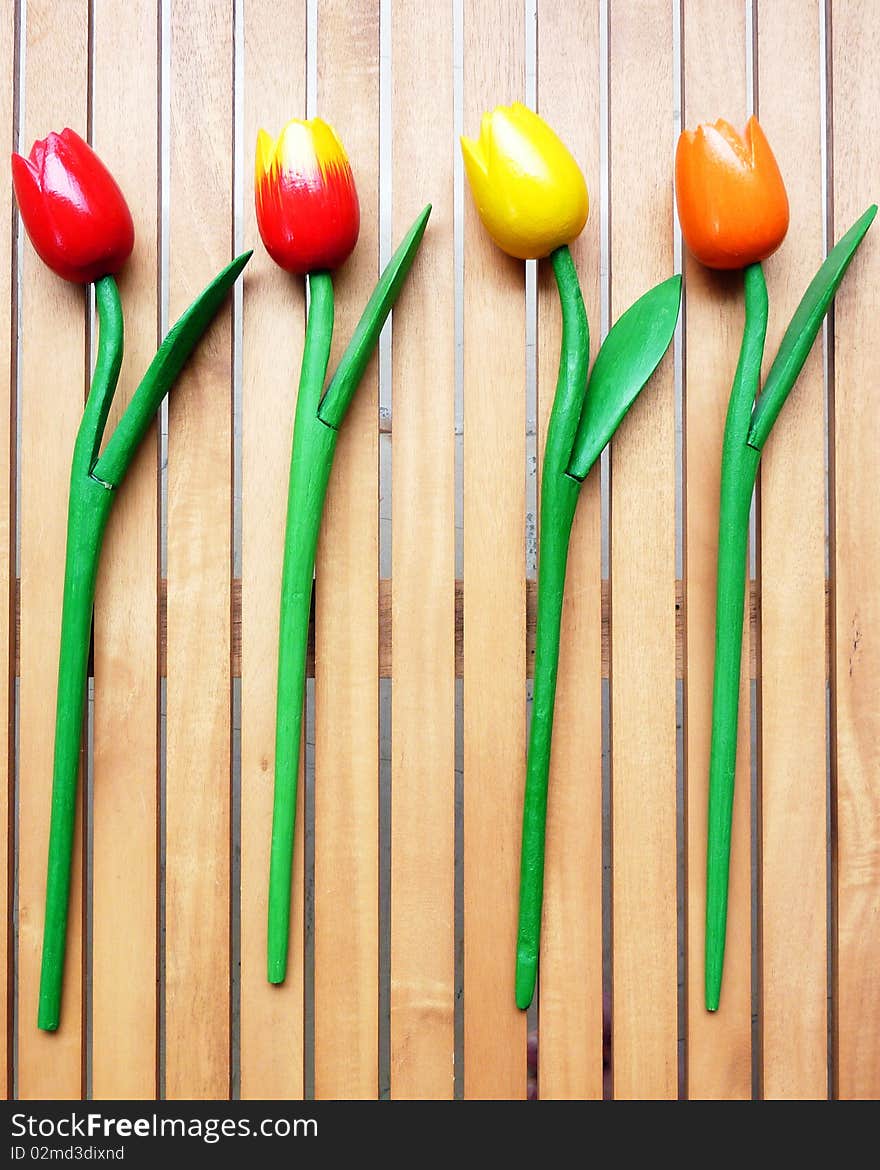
<point>529,191</point>
<point>74,213</point>
<point>307,205</point>
<point>732,203</point>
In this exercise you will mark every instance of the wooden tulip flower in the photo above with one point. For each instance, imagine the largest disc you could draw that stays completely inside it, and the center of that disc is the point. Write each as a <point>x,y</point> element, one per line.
<point>734,213</point>
<point>532,198</point>
<point>307,213</point>
<point>80,226</point>
<point>75,215</point>
<point>307,205</point>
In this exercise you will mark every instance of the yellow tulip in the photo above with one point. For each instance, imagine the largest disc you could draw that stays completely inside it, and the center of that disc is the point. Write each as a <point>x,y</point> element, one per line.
<point>529,191</point>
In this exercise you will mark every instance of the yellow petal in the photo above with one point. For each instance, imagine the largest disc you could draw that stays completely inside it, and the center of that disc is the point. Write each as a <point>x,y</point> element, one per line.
<point>528,189</point>
<point>472,152</point>
<point>328,148</point>
<point>527,120</point>
<point>265,156</point>
<point>477,174</point>
<point>485,137</point>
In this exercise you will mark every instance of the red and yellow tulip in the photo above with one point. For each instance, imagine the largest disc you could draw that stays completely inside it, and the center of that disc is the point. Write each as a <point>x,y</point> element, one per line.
<point>732,203</point>
<point>307,205</point>
<point>73,211</point>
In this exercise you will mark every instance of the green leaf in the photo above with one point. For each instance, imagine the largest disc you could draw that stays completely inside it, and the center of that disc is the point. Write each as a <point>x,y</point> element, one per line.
<point>802,331</point>
<point>170,359</point>
<point>629,356</point>
<point>360,349</point>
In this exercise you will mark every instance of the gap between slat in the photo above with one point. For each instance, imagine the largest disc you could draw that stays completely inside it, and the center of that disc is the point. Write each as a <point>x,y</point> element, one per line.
<point>531,593</point>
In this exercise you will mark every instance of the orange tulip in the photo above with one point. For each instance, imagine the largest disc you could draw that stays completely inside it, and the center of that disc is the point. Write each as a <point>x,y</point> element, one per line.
<point>732,203</point>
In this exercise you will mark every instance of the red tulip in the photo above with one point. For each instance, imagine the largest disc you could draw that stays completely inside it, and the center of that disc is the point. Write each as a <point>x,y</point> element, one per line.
<point>75,214</point>
<point>307,205</point>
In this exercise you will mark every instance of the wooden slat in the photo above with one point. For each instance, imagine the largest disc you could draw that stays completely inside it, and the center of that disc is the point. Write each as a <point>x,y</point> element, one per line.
<point>52,394</point>
<point>199,563</point>
<point>385,639</point>
<point>423,557</point>
<point>7,549</point>
<point>494,510</point>
<point>794,872</point>
<point>272,339</point>
<point>346,619</point>
<point>719,1046</point>
<point>570,1018</point>
<point>644,991</point>
<point>856,445</point>
<point>124,877</point>
<point>662,630</point>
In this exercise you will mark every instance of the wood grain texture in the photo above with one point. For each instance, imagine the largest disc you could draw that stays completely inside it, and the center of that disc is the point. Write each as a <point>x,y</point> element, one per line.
<point>272,340</point>
<point>494,554</point>
<point>126,733</point>
<point>203,626</point>
<point>8,98</point>
<point>53,379</point>
<point>570,988</point>
<point>385,591</point>
<point>719,1048</point>
<point>644,1036</point>
<point>199,562</point>
<point>423,559</point>
<point>856,564</point>
<point>793,733</point>
<point>346,617</point>
<point>385,639</point>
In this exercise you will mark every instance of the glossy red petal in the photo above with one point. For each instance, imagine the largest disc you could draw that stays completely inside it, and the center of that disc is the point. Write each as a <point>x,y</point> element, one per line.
<point>308,217</point>
<point>73,209</point>
<point>38,223</point>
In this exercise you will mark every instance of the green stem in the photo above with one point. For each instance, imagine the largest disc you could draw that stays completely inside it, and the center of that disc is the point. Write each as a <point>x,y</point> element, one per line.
<point>739,469</point>
<point>314,444</point>
<point>88,510</point>
<point>92,480</point>
<point>559,496</point>
<point>108,363</point>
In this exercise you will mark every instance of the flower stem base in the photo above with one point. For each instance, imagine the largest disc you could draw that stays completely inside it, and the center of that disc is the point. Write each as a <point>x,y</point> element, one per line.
<point>739,469</point>
<point>314,444</point>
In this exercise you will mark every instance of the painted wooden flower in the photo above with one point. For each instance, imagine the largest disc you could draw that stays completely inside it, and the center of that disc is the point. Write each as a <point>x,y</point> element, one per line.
<point>81,227</point>
<point>527,187</point>
<point>306,201</point>
<point>732,202</point>
<point>309,219</point>
<point>74,213</point>
<point>733,210</point>
<point>532,199</point>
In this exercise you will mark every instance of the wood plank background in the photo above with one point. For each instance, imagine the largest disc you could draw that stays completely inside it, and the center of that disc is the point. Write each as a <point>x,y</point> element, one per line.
<point>715,68</point>
<point>273,328</point>
<point>406,869</point>
<point>125,789</point>
<point>422,1008</point>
